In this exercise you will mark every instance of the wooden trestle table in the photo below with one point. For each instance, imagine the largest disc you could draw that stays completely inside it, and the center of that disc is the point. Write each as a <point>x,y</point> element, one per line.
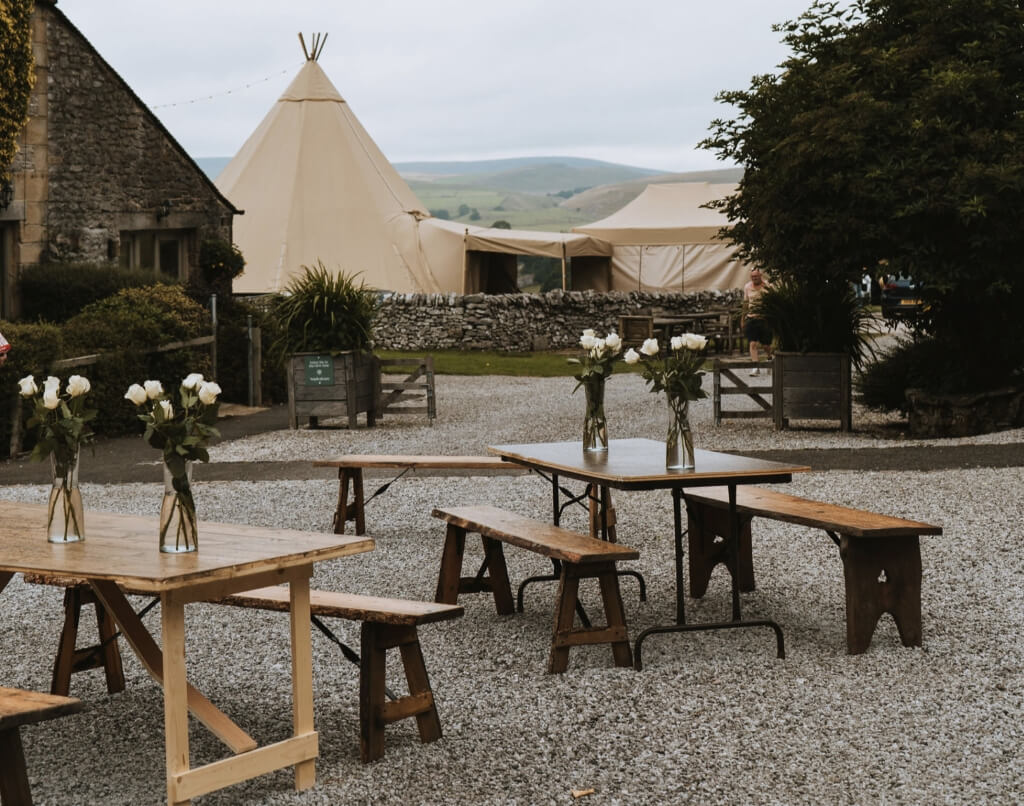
<point>639,464</point>
<point>122,551</point>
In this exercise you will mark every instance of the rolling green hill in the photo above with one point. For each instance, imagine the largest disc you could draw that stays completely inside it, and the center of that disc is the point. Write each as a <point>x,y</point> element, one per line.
<point>538,193</point>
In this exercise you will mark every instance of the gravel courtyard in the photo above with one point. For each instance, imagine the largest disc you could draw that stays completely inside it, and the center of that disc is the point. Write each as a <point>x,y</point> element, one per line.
<point>712,718</point>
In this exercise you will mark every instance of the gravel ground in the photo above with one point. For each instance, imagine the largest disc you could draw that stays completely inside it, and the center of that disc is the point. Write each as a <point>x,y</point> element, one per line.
<point>712,718</point>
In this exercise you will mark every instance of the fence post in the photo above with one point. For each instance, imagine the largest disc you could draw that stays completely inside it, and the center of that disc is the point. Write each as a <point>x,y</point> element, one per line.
<point>213,344</point>
<point>248,332</point>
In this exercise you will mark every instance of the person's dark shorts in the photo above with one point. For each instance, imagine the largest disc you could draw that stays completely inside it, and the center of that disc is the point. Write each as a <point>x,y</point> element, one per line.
<point>757,330</point>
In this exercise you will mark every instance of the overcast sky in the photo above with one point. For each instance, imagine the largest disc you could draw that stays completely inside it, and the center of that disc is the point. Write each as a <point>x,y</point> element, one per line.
<point>630,81</point>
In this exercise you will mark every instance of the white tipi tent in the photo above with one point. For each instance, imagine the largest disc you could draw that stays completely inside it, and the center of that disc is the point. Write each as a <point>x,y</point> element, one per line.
<point>664,240</point>
<point>314,186</point>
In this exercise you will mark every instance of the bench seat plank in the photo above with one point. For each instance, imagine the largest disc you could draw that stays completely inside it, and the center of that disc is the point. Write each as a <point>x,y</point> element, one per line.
<point>544,538</point>
<point>397,461</point>
<point>351,606</point>
<point>19,707</point>
<point>818,514</point>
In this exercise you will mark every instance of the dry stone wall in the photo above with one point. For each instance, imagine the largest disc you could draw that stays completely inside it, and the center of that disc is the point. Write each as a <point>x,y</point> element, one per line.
<point>522,322</point>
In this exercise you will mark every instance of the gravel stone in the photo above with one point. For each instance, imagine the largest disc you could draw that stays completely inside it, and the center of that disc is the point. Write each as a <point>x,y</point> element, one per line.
<point>713,718</point>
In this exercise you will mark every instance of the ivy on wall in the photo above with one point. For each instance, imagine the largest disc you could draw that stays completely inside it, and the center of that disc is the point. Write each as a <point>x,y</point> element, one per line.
<point>16,77</point>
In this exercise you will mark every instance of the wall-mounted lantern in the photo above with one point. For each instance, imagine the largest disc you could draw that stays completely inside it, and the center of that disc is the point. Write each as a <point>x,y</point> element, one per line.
<point>6,195</point>
<point>163,210</point>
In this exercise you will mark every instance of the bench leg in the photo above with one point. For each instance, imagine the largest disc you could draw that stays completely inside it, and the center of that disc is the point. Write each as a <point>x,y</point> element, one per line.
<point>14,789</point>
<point>374,711</point>
<point>347,476</point>
<point>566,636</point>
<point>883,575</point>
<point>497,571</point>
<point>615,615</point>
<point>451,566</point>
<point>450,582</point>
<point>704,526</point>
<point>106,654</point>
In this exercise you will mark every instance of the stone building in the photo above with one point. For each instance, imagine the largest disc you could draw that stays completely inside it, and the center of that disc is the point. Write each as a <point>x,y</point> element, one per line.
<point>97,178</point>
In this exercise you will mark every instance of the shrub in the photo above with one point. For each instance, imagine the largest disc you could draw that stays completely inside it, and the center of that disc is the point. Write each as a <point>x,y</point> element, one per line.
<point>34,348</point>
<point>219,263</point>
<point>54,292</point>
<point>913,364</point>
<point>121,327</point>
<point>324,312</point>
<point>825,317</point>
<point>233,352</point>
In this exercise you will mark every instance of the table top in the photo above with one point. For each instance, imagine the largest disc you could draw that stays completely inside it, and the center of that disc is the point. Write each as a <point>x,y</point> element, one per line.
<point>640,464</point>
<point>125,549</point>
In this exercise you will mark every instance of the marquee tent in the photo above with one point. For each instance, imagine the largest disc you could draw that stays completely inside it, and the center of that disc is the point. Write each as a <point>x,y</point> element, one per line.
<point>664,240</point>
<point>314,186</point>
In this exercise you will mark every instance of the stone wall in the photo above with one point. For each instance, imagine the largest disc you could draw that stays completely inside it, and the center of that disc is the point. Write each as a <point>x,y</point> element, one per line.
<point>522,322</point>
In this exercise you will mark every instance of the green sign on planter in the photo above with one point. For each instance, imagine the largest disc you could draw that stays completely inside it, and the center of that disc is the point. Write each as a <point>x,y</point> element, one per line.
<point>319,370</point>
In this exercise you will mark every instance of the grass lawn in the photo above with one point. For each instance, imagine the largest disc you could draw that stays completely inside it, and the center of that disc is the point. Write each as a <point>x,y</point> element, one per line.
<point>551,364</point>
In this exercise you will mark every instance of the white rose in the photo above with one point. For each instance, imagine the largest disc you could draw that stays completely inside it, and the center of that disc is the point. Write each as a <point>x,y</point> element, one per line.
<point>136,394</point>
<point>28,386</point>
<point>208,392</point>
<point>192,381</point>
<point>51,383</point>
<point>153,389</point>
<point>677,342</point>
<point>50,397</point>
<point>588,342</point>
<point>77,385</point>
<point>694,341</point>
<point>598,348</point>
<point>649,347</point>
<point>613,341</point>
<point>631,356</point>
<point>589,333</point>
<point>168,409</point>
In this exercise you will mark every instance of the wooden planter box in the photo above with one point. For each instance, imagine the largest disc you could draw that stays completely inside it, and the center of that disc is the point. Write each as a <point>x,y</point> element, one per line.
<point>812,386</point>
<point>322,385</point>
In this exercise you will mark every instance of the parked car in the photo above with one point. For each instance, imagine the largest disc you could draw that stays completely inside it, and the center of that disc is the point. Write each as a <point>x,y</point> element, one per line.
<point>901,298</point>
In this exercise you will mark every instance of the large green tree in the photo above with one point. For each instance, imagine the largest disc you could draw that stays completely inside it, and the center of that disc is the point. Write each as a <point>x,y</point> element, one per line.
<point>894,132</point>
<point>16,77</point>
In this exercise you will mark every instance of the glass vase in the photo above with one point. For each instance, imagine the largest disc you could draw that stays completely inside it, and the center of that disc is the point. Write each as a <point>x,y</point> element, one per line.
<point>679,440</point>
<point>178,532</point>
<point>65,516</point>
<point>595,427</point>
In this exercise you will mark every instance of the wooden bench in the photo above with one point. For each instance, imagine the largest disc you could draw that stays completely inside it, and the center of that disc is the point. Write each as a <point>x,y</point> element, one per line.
<point>17,708</point>
<point>386,624</point>
<point>350,475</point>
<point>881,554</point>
<point>579,557</point>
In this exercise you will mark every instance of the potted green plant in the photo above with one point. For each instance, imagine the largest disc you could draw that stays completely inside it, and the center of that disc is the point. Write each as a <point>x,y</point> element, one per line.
<point>326,322</point>
<point>820,332</point>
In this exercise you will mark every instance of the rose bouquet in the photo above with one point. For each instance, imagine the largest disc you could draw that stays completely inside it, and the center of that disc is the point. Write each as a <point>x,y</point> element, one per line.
<point>596,365</point>
<point>180,429</point>
<point>61,421</point>
<point>678,374</point>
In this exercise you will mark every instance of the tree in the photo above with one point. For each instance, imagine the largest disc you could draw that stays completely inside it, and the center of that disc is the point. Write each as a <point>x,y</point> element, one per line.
<point>894,131</point>
<point>501,223</point>
<point>16,77</point>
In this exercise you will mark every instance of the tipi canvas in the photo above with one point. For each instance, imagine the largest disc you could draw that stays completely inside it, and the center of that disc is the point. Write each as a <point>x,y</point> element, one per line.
<point>314,186</point>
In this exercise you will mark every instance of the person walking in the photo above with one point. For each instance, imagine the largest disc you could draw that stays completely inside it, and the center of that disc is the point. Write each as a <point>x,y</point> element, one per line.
<point>754,327</point>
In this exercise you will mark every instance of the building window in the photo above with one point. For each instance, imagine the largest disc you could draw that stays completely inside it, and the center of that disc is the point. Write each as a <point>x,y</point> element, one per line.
<point>160,251</point>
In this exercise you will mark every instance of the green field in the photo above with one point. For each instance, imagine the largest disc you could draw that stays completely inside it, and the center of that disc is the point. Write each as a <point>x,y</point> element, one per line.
<point>522,210</point>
